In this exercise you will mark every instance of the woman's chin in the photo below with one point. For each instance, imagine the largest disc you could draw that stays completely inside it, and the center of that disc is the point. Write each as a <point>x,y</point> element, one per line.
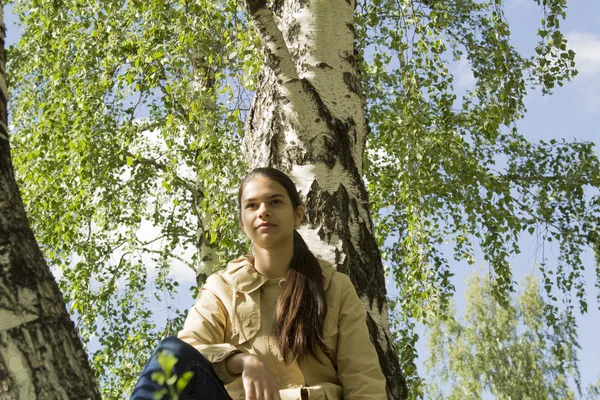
<point>267,241</point>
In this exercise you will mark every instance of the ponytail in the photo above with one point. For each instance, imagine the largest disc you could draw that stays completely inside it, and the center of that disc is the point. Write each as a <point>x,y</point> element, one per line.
<point>301,308</point>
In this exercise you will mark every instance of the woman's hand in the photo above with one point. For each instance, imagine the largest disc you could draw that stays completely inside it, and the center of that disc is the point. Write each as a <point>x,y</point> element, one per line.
<point>258,382</point>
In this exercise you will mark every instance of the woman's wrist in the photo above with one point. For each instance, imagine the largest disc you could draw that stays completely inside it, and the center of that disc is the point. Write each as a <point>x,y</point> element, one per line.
<point>236,362</point>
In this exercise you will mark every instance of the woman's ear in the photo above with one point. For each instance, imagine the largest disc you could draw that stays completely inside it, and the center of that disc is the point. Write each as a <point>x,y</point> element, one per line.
<point>299,215</point>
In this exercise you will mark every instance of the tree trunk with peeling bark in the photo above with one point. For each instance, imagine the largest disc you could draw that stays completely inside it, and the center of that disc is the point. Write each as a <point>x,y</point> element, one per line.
<point>308,119</point>
<point>41,356</point>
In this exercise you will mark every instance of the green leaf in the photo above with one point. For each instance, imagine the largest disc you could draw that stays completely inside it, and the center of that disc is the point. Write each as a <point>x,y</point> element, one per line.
<point>184,380</point>
<point>158,377</point>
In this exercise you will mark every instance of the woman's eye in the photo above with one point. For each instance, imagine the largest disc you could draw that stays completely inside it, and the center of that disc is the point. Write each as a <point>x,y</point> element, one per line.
<point>251,205</point>
<point>276,202</point>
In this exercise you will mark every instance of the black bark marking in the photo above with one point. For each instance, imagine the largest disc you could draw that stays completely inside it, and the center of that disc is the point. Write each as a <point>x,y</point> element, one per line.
<point>55,332</point>
<point>351,59</point>
<point>352,83</point>
<point>4,243</point>
<point>250,117</point>
<point>275,133</point>
<point>367,129</point>
<point>351,28</point>
<point>271,60</point>
<point>22,257</point>
<point>277,7</point>
<point>201,279</point>
<point>389,365</point>
<point>372,256</point>
<point>340,146</point>
<point>334,214</point>
<point>355,206</point>
<point>3,95</point>
<point>51,334</point>
<point>255,5</point>
<point>324,65</point>
<point>293,32</point>
<point>297,155</point>
<point>6,381</point>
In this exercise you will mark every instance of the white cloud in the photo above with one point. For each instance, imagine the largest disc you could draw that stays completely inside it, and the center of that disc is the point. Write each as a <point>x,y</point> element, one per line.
<point>587,59</point>
<point>182,274</point>
<point>464,75</point>
<point>587,49</point>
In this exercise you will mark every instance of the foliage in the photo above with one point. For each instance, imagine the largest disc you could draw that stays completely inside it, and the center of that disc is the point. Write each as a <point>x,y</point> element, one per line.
<point>446,169</point>
<point>508,351</point>
<point>127,118</point>
<point>124,137</point>
<point>593,391</point>
<point>174,384</point>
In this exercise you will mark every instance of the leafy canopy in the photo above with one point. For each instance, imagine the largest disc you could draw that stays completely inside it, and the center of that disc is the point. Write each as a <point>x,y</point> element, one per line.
<point>126,135</point>
<point>126,123</point>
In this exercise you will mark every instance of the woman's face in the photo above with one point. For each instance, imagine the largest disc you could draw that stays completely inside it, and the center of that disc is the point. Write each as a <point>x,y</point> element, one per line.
<point>267,215</point>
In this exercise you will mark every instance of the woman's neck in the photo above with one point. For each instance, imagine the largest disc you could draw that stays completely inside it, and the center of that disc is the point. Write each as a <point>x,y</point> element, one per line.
<point>273,262</point>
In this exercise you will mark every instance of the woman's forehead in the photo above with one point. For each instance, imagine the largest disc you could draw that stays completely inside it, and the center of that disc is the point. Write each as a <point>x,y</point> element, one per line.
<point>259,187</point>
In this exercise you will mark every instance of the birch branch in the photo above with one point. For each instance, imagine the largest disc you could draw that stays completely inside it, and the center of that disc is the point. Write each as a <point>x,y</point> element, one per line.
<point>272,40</point>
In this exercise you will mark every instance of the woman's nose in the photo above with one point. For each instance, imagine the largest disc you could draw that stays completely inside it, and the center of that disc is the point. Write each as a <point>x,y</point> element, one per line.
<point>263,210</point>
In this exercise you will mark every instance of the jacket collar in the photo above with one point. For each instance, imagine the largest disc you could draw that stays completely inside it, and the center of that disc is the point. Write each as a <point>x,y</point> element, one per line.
<point>240,273</point>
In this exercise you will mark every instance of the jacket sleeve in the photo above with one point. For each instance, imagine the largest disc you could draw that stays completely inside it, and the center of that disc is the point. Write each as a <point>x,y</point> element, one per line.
<point>204,329</point>
<point>359,371</point>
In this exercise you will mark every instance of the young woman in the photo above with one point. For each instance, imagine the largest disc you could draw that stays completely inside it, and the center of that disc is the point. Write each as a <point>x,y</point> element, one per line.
<point>278,324</point>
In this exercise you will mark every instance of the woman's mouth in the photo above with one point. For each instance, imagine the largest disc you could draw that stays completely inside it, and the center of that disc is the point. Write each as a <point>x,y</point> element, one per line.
<point>265,226</point>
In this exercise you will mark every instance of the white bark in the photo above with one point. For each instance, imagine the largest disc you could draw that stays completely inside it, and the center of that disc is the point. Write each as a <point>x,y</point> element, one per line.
<point>207,251</point>
<point>41,356</point>
<point>308,119</point>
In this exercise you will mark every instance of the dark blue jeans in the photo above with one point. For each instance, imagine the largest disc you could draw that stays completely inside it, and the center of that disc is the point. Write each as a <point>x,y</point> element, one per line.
<point>204,384</point>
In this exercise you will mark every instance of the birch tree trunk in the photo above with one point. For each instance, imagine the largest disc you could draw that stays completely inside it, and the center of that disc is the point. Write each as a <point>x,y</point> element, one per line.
<point>308,119</point>
<point>207,251</point>
<point>41,356</point>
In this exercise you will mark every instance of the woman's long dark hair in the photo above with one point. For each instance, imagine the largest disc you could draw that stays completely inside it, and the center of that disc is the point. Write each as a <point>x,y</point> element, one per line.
<point>301,308</point>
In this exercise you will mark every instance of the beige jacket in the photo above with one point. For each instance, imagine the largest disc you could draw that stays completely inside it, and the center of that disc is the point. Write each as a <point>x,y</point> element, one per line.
<point>234,313</point>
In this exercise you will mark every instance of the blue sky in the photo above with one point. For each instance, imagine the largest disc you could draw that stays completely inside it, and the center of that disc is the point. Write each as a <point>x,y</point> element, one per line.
<point>572,112</point>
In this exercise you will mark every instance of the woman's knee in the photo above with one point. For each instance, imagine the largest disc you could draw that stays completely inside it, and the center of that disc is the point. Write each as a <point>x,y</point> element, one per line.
<point>183,352</point>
